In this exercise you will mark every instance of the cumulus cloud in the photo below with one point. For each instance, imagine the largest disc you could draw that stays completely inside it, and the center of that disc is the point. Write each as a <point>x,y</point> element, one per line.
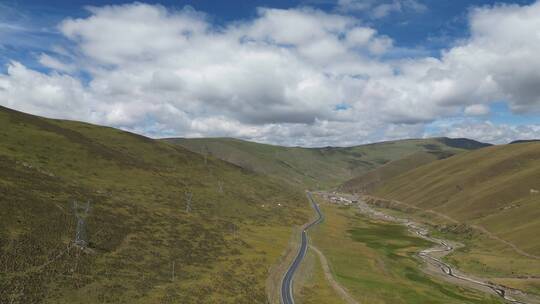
<point>297,76</point>
<point>54,95</point>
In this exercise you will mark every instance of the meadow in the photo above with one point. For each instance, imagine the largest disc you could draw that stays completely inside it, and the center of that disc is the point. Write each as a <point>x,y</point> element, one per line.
<point>485,199</point>
<point>375,262</point>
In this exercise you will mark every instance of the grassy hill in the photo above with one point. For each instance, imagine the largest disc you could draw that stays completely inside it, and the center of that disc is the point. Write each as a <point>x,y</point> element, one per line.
<point>372,179</point>
<point>320,167</point>
<point>492,187</point>
<point>489,199</point>
<point>139,241</point>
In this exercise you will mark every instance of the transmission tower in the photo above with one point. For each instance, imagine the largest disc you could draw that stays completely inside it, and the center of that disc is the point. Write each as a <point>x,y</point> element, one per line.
<point>188,196</point>
<point>220,186</point>
<point>81,211</point>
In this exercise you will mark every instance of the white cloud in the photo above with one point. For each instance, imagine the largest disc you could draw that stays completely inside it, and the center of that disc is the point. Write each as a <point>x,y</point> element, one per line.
<point>384,10</point>
<point>354,5</point>
<point>55,64</point>
<point>360,36</point>
<point>278,77</point>
<point>52,95</point>
<point>487,131</point>
<point>376,9</point>
<point>134,32</point>
<point>476,110</point>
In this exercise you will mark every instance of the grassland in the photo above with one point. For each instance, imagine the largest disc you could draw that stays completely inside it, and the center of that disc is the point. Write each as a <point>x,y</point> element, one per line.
<point>486,199</point>
<point>320,167</point>
<point>372,179</point>
<point>489,187</point>
<point>492,187</point>
<point>143,244</point>
<point>481,254</point>
<point>374,261</point>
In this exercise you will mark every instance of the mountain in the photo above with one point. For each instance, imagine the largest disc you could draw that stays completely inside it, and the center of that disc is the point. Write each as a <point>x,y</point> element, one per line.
<point>91,214</point>
<point>495,188</point>
<point>370,180</point>
<point>521,141</point>
<point>321,167</point>
<point>463,143</point>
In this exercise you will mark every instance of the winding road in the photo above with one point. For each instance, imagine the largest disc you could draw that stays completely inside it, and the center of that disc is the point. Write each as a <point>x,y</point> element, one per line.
<point>287,281</point>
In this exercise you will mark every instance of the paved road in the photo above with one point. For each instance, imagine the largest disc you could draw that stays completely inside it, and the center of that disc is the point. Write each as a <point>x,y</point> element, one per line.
<point>287,282</point>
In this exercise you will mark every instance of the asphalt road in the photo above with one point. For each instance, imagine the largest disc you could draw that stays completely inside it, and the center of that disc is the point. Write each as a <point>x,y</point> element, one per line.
<point>287,282</point>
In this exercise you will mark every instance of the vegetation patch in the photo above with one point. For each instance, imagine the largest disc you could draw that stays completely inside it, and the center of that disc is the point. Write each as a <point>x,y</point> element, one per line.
<point>376,262</point>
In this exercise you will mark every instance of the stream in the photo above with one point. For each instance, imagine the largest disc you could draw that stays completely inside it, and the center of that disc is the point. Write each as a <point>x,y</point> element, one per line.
<point>433,257</point>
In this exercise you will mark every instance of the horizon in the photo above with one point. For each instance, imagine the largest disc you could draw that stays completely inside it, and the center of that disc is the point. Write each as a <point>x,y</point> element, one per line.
<point>352,72</point>
<point>285,146</point>
<point>322,147</point>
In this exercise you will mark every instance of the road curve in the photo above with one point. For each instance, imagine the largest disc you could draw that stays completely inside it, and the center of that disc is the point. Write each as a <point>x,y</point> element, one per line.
<point>287,281</point>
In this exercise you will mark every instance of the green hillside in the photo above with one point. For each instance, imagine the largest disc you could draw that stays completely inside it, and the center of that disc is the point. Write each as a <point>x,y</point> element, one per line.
<point>372,179</point>
<point>492,187</point>
<point>162,224</point>
<point>489,199</point>
<point>320,167</point>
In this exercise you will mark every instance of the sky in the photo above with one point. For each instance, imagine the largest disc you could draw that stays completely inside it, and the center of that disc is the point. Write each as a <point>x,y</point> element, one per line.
<point>306,72</point>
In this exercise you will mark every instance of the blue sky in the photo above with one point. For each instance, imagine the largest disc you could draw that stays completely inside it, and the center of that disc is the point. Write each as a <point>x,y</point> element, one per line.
<point>435,28</point>
<point>58,43</point>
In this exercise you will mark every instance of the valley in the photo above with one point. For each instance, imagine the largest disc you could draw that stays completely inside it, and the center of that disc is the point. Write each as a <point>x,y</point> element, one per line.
<point>375,261</point>
<point>432,257</point>
<point>324,167</point>
<point>93,214</point>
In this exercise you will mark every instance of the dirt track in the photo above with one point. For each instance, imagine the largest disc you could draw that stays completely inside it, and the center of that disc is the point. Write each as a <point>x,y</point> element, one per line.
<point>343,293</point>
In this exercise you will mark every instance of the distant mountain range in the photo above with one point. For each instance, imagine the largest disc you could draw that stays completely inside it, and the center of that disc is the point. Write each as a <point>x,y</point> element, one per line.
<point>521,141</point>
<point>324,167</point>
